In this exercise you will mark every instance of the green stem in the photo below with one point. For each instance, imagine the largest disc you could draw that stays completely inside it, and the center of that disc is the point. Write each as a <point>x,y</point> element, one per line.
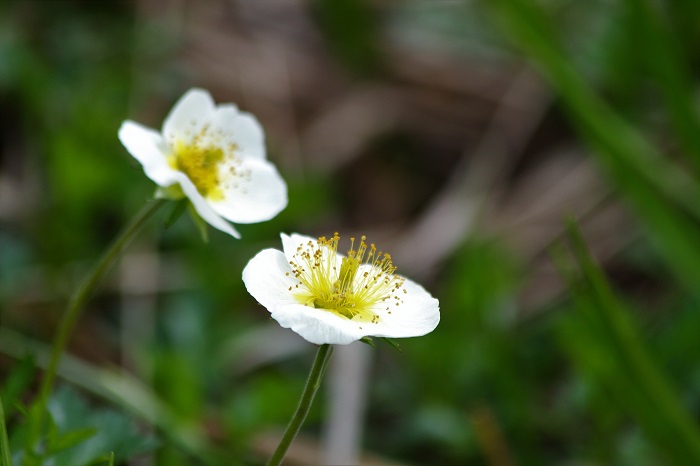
<point>312,383</point>
<point>76,304</point>
<point>5,455</point>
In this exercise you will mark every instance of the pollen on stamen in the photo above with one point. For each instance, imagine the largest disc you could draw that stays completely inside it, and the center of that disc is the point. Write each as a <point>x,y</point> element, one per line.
<point>201,165</point>
<point>351,286</point>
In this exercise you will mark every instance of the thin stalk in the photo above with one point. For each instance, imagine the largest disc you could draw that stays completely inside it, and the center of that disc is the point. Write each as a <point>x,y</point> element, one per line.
<point>5,455</point>
<point>318,369</point>
<point>77,302</point>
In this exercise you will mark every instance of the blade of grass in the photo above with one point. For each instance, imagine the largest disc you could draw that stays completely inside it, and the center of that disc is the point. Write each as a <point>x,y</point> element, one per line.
<point>673,76</point>
<point>5,454</point>
<point>660,192</point>
<point>612,397</point>
<point>618,357</point>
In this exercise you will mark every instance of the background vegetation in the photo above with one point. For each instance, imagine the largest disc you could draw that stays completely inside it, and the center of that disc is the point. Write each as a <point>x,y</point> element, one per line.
<point>458,135</point>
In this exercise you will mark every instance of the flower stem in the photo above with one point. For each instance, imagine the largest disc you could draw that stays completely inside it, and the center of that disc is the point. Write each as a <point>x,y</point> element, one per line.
<point>312,384</point>
<point>77,302</point>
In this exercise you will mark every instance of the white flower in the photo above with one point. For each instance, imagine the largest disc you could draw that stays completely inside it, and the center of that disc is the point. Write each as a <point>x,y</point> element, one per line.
<point>329,298</point>
<point>214,155</point>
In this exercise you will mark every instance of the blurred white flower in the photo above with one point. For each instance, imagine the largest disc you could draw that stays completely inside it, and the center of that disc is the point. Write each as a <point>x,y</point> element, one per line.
<point>214,155</point>
<point>329,298</point>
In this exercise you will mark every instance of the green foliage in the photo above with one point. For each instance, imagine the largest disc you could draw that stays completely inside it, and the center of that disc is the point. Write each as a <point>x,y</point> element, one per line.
<point>604,340</point>
<point>481,353</point>
<point>108,430</point>
<point>80,435</point>
<point>17,382</point>
<point>661,193</point>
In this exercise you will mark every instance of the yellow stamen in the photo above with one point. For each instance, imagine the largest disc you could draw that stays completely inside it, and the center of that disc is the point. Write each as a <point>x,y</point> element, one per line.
<point>201,163</point>
<point>365,281</point>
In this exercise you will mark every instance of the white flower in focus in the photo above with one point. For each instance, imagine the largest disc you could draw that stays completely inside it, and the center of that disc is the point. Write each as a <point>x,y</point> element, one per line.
<point>214,155</point>
<point>329,298</point>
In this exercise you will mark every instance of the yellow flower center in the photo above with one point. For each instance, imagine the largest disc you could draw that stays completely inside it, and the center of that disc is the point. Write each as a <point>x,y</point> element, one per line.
<point>201,165</point>
<point>364,281</point>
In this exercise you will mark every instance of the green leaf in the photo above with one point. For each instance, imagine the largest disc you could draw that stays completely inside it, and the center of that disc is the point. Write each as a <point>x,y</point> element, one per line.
<point>368,341</point>
<point>106,429</point>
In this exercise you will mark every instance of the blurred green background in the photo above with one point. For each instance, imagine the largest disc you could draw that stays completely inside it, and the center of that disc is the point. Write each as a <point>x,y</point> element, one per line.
<point>457,135</point>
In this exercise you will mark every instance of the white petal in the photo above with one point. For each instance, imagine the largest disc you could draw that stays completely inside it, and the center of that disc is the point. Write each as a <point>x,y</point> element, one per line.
<point>417,315</point>
<point>290,243</point>
<point>222,131</point>
<point>318,326</point>
<point>203,208</point>
<point>258,193</point>
<point>268,278</point>
<point>148,147</point>
<point>188,116</point>
<point>249,136</point>
<point>240,129</point>
<point>265,277</point>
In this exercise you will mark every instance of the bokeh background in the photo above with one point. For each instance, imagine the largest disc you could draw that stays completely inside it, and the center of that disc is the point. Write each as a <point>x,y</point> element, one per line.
<point>459,136</point>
